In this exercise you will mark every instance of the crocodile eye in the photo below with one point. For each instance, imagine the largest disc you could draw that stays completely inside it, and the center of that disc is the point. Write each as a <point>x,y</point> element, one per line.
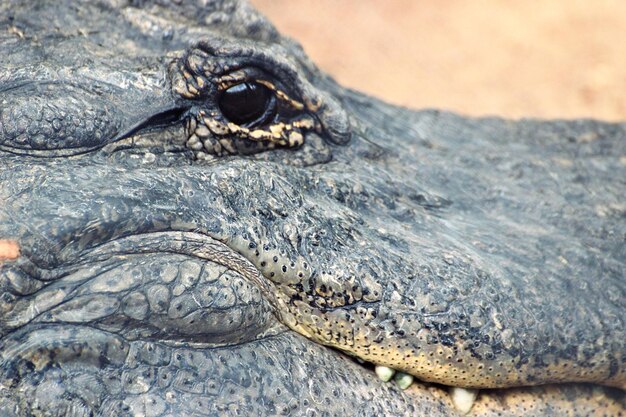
<point>247,103</point>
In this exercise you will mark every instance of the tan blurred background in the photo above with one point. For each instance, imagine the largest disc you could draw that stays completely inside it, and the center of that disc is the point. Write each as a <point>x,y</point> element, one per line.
<point>516,58</point>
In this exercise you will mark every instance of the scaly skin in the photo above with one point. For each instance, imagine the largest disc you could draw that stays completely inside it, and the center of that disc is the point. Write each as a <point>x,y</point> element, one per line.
<point>172,262</point>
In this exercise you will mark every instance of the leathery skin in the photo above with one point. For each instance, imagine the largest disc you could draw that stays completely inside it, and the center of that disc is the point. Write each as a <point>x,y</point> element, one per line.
<point>158,259</point>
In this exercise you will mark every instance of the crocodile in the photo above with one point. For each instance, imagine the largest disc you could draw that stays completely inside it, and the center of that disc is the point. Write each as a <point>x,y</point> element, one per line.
<point>195,220</point>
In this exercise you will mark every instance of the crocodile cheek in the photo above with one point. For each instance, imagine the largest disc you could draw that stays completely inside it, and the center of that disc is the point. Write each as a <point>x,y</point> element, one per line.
<point>368,285</point>
<point>359,316</point>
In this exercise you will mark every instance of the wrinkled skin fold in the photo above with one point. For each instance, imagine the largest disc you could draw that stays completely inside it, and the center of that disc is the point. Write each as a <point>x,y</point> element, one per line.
<point>167,261</point>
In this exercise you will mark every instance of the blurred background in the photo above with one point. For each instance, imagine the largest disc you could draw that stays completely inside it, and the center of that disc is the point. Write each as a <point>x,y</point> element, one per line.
<point>515,58</point>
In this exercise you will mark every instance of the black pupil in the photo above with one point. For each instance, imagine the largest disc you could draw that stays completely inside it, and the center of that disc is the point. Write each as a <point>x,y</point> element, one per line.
<point>245,103</point>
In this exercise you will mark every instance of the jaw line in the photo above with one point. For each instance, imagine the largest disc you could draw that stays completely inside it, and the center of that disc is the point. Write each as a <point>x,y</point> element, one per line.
<point>205,247</point>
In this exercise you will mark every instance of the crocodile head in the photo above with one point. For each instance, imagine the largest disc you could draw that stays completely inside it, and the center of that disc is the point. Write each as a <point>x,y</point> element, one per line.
<point>191,214</point>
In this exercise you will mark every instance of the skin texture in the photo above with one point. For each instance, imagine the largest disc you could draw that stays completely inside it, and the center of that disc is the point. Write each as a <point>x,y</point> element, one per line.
<point>172,262</point>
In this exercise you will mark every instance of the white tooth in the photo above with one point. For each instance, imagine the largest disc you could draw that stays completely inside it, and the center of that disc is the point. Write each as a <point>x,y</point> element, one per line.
<point>463,399</point>
<point>384,373</point>
<point>403,380</point>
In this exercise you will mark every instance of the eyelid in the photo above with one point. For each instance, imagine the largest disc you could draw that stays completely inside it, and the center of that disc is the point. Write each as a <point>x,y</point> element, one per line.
<point>217,63</point>
<point>165,117</point>
<point>226,81</point>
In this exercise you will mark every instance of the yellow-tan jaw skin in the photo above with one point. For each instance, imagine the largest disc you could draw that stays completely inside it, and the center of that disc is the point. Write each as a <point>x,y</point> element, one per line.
<point>571,400</point>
